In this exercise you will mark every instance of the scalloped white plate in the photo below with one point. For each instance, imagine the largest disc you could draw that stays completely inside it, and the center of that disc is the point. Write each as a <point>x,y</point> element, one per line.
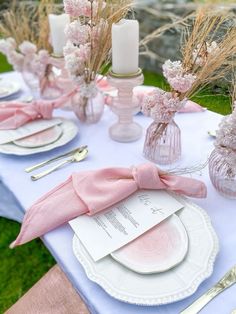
<point>69,131</point>
<point>8,88</point>
<point>162,288</point>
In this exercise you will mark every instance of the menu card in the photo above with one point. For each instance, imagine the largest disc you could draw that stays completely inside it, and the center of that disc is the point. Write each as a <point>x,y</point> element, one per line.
<point>120,224</point>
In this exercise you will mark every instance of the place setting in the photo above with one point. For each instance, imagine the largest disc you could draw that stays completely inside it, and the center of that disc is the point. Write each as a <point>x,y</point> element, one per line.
<point>144,224</point>
<point>37,137</point>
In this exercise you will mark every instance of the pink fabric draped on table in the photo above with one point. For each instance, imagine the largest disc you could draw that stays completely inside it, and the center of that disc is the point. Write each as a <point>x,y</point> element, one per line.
<point>15,113</point>
<point>90,192</point>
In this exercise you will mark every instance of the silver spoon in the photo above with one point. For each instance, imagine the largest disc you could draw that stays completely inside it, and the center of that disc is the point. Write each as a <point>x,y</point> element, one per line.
<point>77,157</point>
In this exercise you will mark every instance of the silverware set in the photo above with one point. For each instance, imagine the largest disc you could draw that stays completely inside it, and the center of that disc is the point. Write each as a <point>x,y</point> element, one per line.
<point>76,155</point>
<point>227,281</point>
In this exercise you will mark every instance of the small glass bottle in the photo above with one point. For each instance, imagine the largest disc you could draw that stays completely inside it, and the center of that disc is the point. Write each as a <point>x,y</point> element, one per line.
<point>88,109</point>
<point>222,174</point>
<point>163,143</point>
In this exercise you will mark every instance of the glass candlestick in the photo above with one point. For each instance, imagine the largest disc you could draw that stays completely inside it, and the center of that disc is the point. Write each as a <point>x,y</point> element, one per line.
<point>125,107</point>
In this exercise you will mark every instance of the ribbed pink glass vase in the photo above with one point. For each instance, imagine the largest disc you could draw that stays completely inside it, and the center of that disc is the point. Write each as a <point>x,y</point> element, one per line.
<point>222,175</point>
<point>163,143</point>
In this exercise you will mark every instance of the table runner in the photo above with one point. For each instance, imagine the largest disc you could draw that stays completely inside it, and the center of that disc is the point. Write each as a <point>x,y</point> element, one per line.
<point>104,152</point>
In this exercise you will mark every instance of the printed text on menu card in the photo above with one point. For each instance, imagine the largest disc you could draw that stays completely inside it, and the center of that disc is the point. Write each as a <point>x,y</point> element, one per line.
<point>113,228</point>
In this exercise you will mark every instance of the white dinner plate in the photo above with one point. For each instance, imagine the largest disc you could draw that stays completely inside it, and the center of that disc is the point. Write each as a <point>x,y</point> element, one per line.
<point>8,88</point>
<point>69,131</point>
<point>155,289</point>
<point>41,138</point>
<point>157,250</point>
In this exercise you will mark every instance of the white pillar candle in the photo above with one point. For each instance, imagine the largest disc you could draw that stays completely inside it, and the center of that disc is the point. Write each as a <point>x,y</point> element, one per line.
<point>57,25</point>
<point>125,47</point>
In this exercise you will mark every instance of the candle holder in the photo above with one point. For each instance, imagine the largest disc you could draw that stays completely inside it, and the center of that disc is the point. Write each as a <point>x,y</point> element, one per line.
<point>124,106</point>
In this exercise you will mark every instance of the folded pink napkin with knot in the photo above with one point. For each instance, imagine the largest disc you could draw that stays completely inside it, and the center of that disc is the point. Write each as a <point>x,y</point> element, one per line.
<point>15,114</point>
<point>92,191</point>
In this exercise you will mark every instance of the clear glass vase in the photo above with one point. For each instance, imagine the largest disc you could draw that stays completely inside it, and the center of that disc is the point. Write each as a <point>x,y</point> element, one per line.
<point>222,175</point>
<point>163,143</point>
<point>33,83</point>
<point>88,109</point>
<point>56,82</point>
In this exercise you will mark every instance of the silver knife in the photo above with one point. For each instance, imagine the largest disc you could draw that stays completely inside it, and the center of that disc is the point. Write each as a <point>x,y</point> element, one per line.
<point>227,281</point>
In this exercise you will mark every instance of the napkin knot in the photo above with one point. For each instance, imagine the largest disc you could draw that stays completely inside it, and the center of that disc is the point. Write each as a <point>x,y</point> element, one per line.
<point>44,108</point>
<point>147,177</point>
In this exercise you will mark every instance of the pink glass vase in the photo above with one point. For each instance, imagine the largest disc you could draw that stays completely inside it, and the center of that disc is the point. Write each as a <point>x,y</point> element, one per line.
<point>88,109</point>
<point>163,143</point>
<point>56,81</point>
<point>222,175</point>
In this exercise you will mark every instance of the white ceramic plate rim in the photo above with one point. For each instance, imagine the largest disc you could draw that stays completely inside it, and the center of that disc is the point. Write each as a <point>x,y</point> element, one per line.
<point>152,300</point>
<point>181,255</point>
<point>63,139</point>
<point>15,89</point>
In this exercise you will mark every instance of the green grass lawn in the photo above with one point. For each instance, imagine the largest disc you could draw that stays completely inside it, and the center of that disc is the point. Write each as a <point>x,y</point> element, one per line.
<point>22,267</point>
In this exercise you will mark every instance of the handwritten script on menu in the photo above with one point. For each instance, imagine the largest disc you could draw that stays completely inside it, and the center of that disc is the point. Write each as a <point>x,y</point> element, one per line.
<point>120,224</point>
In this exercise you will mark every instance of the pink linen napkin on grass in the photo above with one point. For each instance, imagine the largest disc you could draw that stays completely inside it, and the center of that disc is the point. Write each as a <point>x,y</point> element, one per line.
<point>90,192</point>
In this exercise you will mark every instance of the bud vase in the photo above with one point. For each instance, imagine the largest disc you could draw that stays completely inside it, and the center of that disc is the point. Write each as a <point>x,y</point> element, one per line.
<point>222,174</point>
<point>88,109</point>
<point>56,81</point>
<point>163,143</point>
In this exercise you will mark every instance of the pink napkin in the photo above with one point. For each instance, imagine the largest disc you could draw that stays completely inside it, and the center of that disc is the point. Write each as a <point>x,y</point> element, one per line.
<point>15,114</point>
<point>92,191</point>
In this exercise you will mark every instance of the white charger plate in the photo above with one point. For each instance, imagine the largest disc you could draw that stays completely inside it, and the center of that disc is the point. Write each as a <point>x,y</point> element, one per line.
<point>8,88</point>
<point>155,289</point>
<point>69,131</point>
<point>157,250</point>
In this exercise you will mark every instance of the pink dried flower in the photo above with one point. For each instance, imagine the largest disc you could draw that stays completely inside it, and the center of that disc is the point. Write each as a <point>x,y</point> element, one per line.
<point>77,33</point>
<point>149,101</point>
<point>172,69</point>
<point>182,83</point>
<point>84,52</point>
<point>161,106</point>
<point>16,60</point>
<point>77,8</point>
<point>69,48</point>
<point>202,53</point>
<point>27,48</point>
<point>176,76</point>
<point>74,64</point>
<point>43,56</point>
<point>7,45</point>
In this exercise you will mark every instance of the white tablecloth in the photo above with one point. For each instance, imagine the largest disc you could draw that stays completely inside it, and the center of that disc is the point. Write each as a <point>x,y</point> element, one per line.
<point>104,152</point>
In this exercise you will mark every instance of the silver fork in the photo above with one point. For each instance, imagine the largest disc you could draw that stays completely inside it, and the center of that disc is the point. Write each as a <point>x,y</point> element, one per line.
<point>227,281</point>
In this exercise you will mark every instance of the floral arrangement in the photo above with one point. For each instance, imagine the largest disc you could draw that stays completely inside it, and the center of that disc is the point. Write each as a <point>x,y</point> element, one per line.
<point>25,57</point>
<point>225,143</point>
<point>88,48</point>
<point>28,47</point>
<point>207,56</point>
